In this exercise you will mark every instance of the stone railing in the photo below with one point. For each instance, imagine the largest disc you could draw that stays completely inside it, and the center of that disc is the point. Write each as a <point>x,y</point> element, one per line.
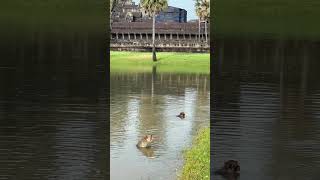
<point>161,43</point>
<point>187,46</point>
<point>146,27</point>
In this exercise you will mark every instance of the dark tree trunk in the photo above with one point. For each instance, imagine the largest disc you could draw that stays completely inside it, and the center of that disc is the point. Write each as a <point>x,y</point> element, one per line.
<point>206,31</point>
<point>199,29</point>
<point>154,56</point>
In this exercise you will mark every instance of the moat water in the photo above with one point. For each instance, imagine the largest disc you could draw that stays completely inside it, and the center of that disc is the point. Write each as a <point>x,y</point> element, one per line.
<point>53,106</point>
<point>147,103</point>
<point>266,108</point>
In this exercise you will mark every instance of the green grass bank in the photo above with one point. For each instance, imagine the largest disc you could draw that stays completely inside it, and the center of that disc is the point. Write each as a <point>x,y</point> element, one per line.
<point>197,158</point>
<point>168,62</point>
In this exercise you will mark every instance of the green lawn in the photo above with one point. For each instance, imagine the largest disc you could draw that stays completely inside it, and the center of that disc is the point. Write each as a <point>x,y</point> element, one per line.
<point>197,159</point>
<point>168,62</point>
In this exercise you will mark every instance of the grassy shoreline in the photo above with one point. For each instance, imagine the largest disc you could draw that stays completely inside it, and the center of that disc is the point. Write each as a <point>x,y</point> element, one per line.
<point>197,158</point>
<point>168,62</point>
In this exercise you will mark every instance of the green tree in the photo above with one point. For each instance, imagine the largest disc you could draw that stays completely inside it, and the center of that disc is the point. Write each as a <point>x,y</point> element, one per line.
<point>206,15</point>
<point>198,12</point>
<point>203,13</point>
<point>152,8</point>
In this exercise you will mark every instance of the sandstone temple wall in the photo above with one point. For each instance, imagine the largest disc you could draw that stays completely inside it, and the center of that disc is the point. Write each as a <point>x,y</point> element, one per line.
<point>169,37</point>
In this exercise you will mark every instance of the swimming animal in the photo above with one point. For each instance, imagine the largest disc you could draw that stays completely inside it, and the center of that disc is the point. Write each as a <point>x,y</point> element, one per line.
<point>182,115</point>
<point>230,170</point>
<point>145,142</point>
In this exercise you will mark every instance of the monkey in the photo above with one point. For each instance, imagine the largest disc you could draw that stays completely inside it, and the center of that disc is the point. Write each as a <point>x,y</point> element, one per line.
<point>182,115</point>
<point>145,141</point>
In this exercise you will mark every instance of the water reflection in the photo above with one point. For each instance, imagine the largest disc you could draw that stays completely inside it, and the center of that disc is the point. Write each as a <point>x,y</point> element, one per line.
<point>53,106</point>
<point>147,103</point>
<point>265,109</point>
<point>148,152</point>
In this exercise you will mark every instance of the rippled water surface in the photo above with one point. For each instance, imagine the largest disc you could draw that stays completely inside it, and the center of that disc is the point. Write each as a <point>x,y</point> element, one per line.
<point>265,111</point>
<point>147,103</point>
<point>53,108</point>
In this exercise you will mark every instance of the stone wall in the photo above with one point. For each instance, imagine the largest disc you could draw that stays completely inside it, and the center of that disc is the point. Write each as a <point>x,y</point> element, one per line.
<point>127,7</point>
<point>172,14</point>
<point>169,37</point>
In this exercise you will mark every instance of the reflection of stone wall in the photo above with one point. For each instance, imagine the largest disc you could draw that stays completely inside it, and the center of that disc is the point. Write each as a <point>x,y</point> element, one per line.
<point>201,82</point>
<point>283,73</point>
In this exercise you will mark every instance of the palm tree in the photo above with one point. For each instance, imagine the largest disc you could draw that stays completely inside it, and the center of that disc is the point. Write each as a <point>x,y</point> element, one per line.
<point>198,12</point>
<point>203,12</point>
<point>152,8</point>
<point>206,15</point>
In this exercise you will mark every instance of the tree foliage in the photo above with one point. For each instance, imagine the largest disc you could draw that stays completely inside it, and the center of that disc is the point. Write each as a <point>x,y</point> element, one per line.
<point>203,9</point>
<point>153,7</point>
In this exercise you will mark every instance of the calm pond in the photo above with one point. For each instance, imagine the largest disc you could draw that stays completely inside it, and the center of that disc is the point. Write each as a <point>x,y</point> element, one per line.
<point>147,103</point>
<point>266,108</point>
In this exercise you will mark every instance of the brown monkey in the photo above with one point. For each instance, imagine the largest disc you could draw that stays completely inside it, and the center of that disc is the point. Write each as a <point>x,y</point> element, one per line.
<point>145,141</point>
